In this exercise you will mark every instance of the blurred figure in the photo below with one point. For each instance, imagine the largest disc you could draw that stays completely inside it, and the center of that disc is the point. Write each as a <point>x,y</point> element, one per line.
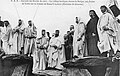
<point>18,38</point>
<point>7,38</point>
<point>30,35</point>
<point>92,34</point>
<point>1,23</point>
<point>107,33</point>
<point>66,45</point>
<point>78,39</point>
<point>1,32</point>
<point>40,56</point>
<point>56,53</point>
<point>69,43</point>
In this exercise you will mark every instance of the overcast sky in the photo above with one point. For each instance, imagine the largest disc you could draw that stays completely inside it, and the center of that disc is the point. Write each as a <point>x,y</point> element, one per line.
<point>48,17</point>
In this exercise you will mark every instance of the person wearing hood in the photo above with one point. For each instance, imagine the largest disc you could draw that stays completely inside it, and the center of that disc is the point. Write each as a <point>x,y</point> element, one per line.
<point>18,38</point>
<point>7,38</point>
<point>78,39</point>
<point>92,34</point>
<point>30,34</point>
<point>40,55</point>
<point>107,33</point>
<point>56,52</point>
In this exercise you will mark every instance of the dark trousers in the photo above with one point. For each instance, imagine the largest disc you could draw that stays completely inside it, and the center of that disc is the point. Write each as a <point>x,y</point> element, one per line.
<point>68,52</point>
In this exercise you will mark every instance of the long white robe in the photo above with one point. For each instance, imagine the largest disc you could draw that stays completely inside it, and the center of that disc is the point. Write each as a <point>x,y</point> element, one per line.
<point>29,43</point>
<point>118,34</point>
<point>34,35</point>
<point>78,46</point>
<point>27,40</point>
<point>56,56</point>
<point>7,40</point>
<point>107,38</point>
<point>40,55</point>
<point>18,39</point>
<point>1,35</point>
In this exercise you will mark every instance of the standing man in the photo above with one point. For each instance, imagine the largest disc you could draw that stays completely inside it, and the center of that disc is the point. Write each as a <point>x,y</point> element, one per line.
<point>18,38</point>
<point>92,34</point>
<point>30,35</point>
<point>1,30</point>
<point>7,38</point>
<point>66,45</point>
<point>56,53</point>
<point>107,33</point>
<point>78,39</point>
<point>69,43</point>
<point>39,58</point>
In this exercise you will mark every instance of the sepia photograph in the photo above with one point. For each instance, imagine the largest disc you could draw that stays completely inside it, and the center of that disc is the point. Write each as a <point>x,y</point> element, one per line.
<point>59,37</point>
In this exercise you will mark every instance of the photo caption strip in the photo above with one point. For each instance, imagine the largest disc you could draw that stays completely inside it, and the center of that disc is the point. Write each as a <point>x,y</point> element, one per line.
<point>53,2</point>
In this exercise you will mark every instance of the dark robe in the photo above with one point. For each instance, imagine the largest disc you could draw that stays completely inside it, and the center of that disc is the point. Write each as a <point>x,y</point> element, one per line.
<point>92,40</point>
<point>69,47</point>
<point>1,24</point>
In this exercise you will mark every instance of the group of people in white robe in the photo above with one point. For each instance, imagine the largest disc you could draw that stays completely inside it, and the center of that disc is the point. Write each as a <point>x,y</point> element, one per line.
<point>50,52</point>
<point>53,53</point>
<point>19,40</point>
<point>23,40</point>
<point>107,28</point>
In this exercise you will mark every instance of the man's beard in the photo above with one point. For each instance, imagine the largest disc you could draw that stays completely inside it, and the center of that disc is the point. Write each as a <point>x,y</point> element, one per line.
<point>19,24</point>
<point>91,16</point>
<point>30,24</point>
<point>71,28</point>
<point>43,34</point>
<point>103,11</point>
<point>56,35</point>
<point>77,22</point>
